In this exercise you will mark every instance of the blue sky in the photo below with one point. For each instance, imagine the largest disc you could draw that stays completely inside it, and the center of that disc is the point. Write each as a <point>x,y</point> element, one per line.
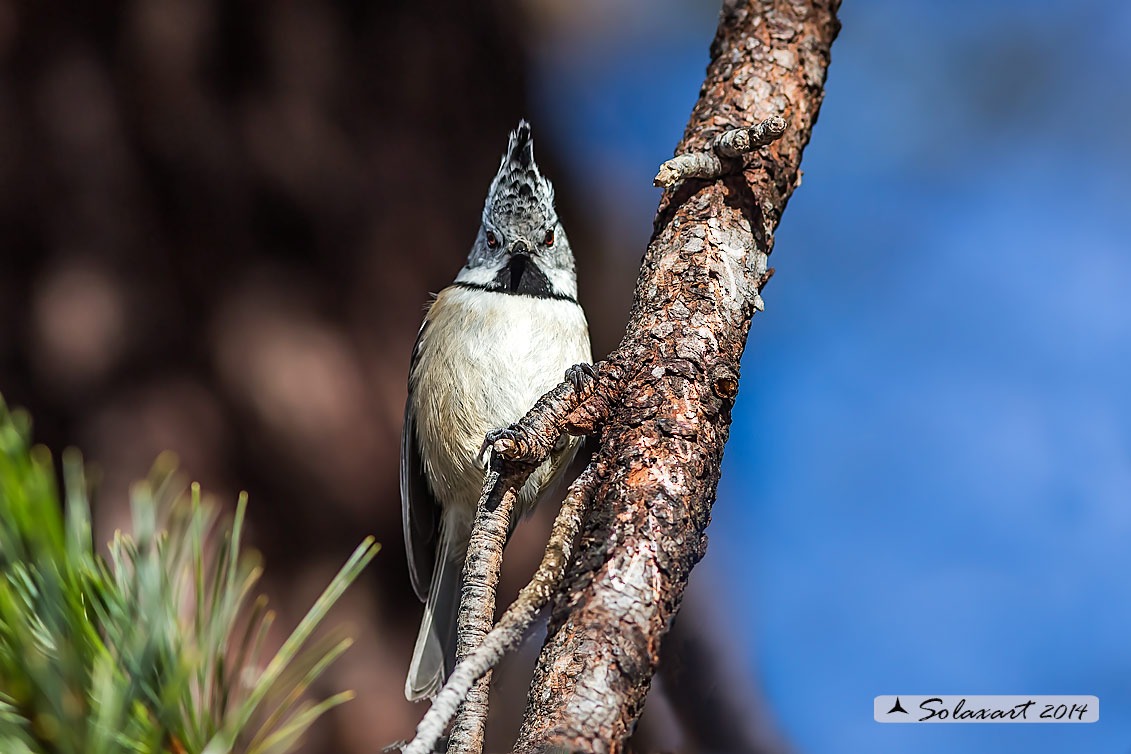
<point>928,483</point>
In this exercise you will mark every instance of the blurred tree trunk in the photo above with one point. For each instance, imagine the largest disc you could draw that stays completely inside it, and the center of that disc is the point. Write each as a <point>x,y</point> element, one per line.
<point>662,446</point>
<point>220,221</point>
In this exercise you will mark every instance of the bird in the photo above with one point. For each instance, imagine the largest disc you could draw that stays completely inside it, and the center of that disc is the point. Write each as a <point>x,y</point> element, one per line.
<point>494,341</point>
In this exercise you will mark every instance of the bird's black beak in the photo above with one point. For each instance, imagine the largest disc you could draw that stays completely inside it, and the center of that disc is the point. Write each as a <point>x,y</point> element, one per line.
<point>519,247</point>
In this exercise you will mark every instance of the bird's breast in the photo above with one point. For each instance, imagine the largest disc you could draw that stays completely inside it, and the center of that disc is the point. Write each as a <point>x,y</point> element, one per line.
<point>484,359</point>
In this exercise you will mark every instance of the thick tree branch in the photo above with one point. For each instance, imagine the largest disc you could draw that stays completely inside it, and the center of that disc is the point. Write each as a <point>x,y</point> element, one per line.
<point>698,289</point>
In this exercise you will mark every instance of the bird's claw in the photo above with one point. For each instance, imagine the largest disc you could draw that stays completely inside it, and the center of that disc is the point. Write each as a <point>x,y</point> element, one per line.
<point>507,437</point>
<point>581,374</point>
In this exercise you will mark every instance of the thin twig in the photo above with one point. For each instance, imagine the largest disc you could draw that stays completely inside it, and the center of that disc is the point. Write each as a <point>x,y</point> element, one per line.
<point>508,633</point>
<point>477,602</point>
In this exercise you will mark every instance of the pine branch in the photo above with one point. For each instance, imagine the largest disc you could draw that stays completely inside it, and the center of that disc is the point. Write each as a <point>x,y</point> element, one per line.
<point>699,286</point>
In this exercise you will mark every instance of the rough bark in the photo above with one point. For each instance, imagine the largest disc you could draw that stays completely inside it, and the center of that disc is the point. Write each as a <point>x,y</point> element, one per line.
<point>662,444</point>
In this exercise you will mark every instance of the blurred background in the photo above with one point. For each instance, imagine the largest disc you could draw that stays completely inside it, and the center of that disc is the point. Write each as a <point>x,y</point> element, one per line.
<point>221,221</point>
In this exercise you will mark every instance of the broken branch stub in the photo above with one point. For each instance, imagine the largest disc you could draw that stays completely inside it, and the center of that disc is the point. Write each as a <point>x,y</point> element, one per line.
<point>725,149</point>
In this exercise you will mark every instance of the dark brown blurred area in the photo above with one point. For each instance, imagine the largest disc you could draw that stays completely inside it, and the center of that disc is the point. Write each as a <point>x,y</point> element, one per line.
<point>220,225</point>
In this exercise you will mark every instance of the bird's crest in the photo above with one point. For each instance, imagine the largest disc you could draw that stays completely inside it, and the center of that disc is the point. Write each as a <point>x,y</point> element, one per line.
<point>519,190</point>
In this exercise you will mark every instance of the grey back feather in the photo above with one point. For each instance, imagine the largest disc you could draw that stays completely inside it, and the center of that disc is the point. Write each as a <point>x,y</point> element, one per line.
<point>420,512</point>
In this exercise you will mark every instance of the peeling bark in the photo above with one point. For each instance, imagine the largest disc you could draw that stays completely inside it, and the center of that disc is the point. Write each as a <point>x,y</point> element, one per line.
<point>662,444</point>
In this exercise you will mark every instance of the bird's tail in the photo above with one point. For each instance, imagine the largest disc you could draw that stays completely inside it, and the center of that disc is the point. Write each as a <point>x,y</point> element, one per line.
<point>435,652</point>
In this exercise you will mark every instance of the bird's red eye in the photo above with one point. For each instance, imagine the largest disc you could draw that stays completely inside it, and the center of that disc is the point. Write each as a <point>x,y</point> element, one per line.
<point>549,239</point>
<point>492,242</point>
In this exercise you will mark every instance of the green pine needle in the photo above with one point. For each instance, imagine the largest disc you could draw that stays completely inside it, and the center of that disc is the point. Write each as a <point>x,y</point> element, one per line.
<point>149,650</point>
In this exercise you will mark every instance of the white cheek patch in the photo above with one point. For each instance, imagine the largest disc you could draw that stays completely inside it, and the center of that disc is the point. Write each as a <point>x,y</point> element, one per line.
<point>484,275</point>
<point>563,282</point>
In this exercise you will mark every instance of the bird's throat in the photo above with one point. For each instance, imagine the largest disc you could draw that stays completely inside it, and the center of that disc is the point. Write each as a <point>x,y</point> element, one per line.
<point>516,269</point>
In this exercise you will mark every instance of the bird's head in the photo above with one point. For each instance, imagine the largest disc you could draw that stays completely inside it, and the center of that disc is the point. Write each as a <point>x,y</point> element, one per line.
<point>521,242</point>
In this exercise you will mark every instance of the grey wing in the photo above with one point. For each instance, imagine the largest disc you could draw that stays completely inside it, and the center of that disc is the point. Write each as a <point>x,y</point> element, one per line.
<point>420,512</point>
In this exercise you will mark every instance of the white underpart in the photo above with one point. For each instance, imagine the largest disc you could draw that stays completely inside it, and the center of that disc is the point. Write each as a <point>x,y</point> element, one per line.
<point>485,358</point>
